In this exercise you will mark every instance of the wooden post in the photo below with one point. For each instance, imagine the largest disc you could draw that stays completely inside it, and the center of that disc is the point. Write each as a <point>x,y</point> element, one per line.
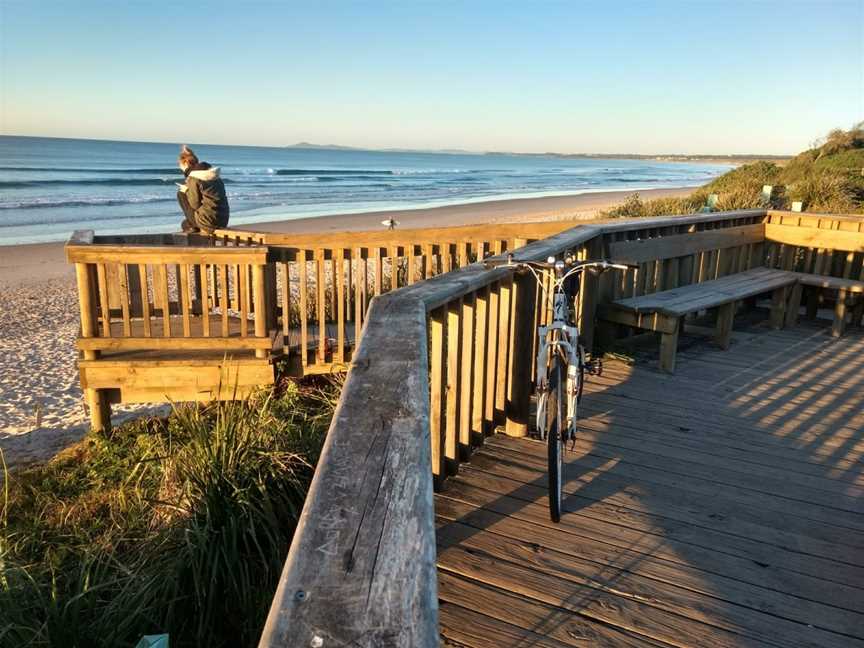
<point>812,303</point>
<point>521,337</point>
<point>725,318</point>
<point>260,311</point>
<point>778,307</point>
<point>590,295</point>
<point>839,325</point>
<point>858,311</point>
<point>794,305</point>
<point>100,410</point>
<point>669,348</point>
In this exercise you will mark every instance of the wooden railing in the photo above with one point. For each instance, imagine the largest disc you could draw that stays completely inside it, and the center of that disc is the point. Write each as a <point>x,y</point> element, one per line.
<point>440,365</point>
<point>165,294</point>
<point>170,297</point>
<point>325,282</point>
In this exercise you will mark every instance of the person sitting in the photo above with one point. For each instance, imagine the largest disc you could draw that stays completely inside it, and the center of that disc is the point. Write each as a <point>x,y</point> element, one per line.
<point>202,198</point>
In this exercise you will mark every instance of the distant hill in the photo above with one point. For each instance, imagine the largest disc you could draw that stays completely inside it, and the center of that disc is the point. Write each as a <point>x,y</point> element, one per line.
<point>828,178</point>
<point>327,147</point>
<point>740,158</point>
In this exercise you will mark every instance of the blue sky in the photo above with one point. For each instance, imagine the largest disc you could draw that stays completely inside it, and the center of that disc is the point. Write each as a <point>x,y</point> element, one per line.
<point>683,76</point>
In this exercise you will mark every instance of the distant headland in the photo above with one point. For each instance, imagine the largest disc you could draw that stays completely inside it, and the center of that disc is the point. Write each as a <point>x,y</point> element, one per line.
<point>737,158</point>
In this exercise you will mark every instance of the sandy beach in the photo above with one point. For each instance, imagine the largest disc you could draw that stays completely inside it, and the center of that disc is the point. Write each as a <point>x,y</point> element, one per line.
<point>41,405</point>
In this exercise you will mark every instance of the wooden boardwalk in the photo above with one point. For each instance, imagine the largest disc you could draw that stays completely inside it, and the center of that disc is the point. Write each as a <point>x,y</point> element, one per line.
<point>721,506</point>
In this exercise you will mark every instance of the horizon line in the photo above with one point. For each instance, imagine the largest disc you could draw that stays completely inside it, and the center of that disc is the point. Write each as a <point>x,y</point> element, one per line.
<point>304,145</point>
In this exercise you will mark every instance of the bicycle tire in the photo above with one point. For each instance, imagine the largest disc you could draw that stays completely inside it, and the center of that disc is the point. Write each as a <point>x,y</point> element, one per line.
<point>554,420</point>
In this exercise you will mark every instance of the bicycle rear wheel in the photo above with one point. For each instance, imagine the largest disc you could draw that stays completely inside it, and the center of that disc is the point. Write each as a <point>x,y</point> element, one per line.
<point>554,421</point>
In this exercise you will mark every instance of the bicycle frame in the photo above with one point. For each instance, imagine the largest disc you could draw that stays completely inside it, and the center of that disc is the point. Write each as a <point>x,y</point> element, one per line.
<point>560,336</point>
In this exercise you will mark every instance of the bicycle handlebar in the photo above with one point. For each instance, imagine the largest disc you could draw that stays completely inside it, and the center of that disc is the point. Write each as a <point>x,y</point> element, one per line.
<point>550,264</point>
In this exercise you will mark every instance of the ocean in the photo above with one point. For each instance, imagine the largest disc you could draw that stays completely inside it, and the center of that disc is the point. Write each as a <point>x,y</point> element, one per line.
<point>50,187</point>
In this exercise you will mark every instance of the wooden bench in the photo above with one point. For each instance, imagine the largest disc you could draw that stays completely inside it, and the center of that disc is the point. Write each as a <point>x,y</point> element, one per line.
<point>663,311</point>
<point>846,289</point>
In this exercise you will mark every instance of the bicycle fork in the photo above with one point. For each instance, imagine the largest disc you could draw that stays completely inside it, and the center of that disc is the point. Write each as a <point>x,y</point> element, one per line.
<point>563,344</point>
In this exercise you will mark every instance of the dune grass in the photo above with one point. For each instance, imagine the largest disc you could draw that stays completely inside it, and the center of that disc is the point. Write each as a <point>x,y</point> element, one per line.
<point>828,178</point>
<point>178,525</point>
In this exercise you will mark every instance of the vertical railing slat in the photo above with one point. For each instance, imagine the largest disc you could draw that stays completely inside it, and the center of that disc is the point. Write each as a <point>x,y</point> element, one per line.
<point>225,301</point>
<point>321,305</point>
<point>103,300</point>
<point>183,297</point>
<point>285,277</point>
<point>304,307</point>
<point>466,376</point>
<point>452,393</point>
<point>145,300</point>
<point>339,269</point>
<point>165,299</point>
<point>259,298</point>
<point>436,384</point>
<point>491,359</point>
<point>243,298</point>
<point>203,275</point>
<point>124,299</point>
<point>478,412</point>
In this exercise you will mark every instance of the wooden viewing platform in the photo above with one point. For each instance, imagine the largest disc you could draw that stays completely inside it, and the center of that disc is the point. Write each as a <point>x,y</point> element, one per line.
<point>721,506</point>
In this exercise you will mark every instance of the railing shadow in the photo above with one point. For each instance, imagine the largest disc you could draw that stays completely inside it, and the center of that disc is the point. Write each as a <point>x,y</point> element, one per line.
<point>756,556</point>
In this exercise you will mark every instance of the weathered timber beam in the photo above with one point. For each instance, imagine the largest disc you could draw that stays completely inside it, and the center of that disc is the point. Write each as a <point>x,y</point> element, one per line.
<point>167,254</point>
<point>361,569</point>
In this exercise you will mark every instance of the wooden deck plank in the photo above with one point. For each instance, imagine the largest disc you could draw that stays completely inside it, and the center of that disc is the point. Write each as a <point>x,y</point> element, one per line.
<point>721,506</point>
<point>673,589</point>
<point>530,622</point>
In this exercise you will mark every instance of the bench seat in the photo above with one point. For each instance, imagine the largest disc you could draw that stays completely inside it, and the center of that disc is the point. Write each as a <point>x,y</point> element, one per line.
<point>662,311</point>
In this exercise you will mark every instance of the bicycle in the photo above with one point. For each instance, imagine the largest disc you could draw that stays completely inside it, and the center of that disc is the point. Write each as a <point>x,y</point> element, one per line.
<point>561,361</point>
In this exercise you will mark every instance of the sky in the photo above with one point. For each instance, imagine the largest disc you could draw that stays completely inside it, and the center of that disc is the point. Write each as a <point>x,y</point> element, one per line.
<point>684,76</point>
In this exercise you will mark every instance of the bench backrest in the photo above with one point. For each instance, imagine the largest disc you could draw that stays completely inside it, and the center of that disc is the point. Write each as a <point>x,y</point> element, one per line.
<point>681,245</point>
<point>823,244</point>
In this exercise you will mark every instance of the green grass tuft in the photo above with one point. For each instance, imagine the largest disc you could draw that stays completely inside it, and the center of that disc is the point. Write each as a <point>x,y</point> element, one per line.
<point>179,525</point>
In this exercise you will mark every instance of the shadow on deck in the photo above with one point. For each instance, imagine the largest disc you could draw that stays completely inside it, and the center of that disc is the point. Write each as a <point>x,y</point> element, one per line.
<point>720,506</point>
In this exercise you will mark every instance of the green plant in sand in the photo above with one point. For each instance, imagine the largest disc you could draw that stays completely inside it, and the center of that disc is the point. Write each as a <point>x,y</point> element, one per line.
<point>178,525</point>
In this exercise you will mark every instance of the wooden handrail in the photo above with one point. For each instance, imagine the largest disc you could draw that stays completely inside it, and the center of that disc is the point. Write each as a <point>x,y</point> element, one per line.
<point>361,568</point>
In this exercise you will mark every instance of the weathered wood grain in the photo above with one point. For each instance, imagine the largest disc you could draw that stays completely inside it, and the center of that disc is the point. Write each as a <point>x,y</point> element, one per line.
<point>361,569</point>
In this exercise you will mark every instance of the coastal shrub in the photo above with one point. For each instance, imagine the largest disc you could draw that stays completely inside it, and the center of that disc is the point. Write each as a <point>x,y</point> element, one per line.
<point>824,192</point>
<point>826,178</point>
<point>178,525</point>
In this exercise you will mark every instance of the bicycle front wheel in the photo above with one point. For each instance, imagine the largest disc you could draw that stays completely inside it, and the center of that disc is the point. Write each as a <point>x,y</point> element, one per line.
<point>554,421</point>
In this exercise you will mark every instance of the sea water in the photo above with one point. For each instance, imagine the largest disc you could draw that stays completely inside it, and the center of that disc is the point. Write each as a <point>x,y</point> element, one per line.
<point>50,187</point>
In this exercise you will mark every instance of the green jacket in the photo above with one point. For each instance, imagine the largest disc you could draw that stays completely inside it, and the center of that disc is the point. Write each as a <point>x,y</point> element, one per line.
<point>206,195</point>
